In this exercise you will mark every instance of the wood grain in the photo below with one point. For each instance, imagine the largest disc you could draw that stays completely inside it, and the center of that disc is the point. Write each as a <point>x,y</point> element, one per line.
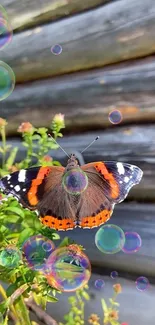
<point>25,14</point>
<point>86,98</point>
<point>119,31</point>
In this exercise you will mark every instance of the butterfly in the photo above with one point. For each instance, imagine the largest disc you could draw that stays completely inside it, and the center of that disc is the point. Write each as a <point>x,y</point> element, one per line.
<point>75,196</point>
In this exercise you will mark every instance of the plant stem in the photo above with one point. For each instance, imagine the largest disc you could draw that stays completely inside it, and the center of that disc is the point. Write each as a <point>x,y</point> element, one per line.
<point>81,303</point>
<point>23,314</point>
<point>3,145</point>
<point>3,294</point>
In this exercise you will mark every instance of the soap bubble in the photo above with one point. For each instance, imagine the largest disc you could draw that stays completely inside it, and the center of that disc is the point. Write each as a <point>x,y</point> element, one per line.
<point>133,242</point>
<point>48,246</point>
<point>115,117</point>
<point>36,253</point>
<point>5,33</point>
<point>7,80</point>
<point>142,283</point>
<point>68,269</point>
<point>99,284</point>
<point>75,181</point>
<point>114,274</point>
<point>110,239</point>
<point>10,257</point>
<point>3,13</point>
<point>56,49</point>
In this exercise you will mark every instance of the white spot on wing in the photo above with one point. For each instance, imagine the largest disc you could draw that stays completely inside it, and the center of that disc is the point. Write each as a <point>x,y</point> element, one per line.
<point>126,179</point>
<point>120,168</point>
<point>17,188</point>
<point>8,177</point>
<point>22,175</point>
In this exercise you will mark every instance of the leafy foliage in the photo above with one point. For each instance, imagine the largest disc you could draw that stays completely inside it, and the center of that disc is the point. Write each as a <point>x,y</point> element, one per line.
<point>18,224</point>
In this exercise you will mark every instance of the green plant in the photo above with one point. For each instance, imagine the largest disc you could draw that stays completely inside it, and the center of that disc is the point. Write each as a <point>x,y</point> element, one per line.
<point>76,313</point>
<point>18,224</point>
<point>111,312</point>
<point>77,308</point>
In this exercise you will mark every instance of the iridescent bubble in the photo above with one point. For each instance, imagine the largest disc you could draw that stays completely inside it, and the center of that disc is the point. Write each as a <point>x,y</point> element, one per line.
<point>142,283</point>
<point>10,256</point>
<point>3,13</point>
<point>56,49</point>
<point>68,269</point>
<point>99,283</point>
<point>48,246</point>
<point>5,33</point>
<point>7,80</point>
<point>115,117</point>
<point>75,181</point>
<point>35,253</point>
<point>114,274</point>
<point>133,242</point>
<point>110,239</point>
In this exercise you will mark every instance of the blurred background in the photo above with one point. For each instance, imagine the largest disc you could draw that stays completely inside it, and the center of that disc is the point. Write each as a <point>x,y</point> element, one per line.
<point>86,59</point>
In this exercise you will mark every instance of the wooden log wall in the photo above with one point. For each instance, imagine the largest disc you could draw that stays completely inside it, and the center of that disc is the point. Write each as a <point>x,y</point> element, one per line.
<point>118,31</point>
<point>86,98</point>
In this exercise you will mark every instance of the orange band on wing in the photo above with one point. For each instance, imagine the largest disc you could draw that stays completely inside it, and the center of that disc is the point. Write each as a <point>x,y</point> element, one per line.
<point>52,222</point>
<point>43,171</point>
<point>101,168</point>
<point>96,221</point>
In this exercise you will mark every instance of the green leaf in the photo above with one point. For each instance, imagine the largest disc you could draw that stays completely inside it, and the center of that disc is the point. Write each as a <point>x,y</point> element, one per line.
<point>66,242</point>
<point>36,137</point>
<point>16,210</point>
<point>114,322</point>
<point>72,300</point>
<point>4,305</point>
<point>56,163</point>
<point>11,218</point>
<point>11,289</point>
<point>12,157</point>
<point>51,299</point>
<point>104,305</point>
<point>55,236</point>
<point>113,302</point>
<point>85,295</point>
<point>25,234</point>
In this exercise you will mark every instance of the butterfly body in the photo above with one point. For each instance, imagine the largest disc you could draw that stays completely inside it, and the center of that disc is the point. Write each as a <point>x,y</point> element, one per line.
<point>75,196</point>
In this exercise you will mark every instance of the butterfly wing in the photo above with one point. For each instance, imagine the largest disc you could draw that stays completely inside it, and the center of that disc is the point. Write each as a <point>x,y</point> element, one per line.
<point>24,185</point>
<point>41,188</point>
<point>109,183</point>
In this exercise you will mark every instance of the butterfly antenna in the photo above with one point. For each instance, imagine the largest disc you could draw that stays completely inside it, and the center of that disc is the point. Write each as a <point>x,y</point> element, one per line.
<point>90,144</point>
<point>59,145</point>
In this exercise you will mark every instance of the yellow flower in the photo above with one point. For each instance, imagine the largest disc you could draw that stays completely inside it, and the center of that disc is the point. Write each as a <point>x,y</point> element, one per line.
<point>117,288</point>
<point>113,315</point>
<point>59,118</point>
<point>25,127</point>
<point>93,319</point>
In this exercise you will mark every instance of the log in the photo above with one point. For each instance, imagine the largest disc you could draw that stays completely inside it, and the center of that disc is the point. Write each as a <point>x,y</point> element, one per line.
<point>119,31</point>
<point>133,145</point>
<point>25,14</point>
<point>86,98</point>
